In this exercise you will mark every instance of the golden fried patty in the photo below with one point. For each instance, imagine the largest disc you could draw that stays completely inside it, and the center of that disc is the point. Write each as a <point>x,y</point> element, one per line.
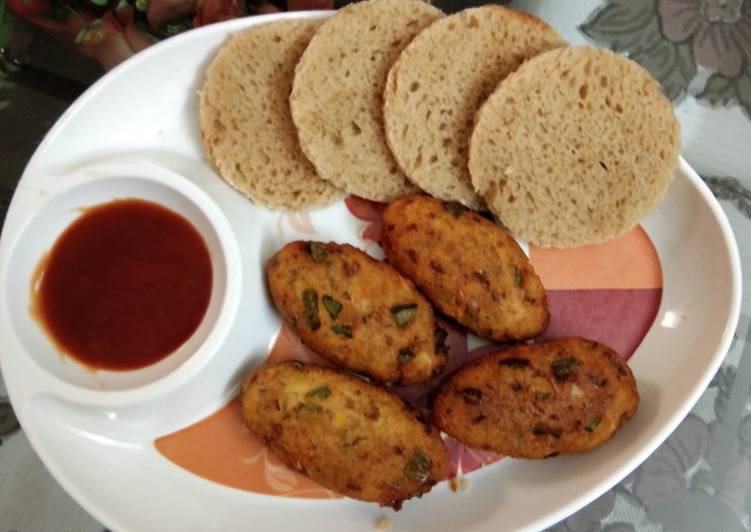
<point>350,436</point>
<point>533,401</point>
<point>355,311</point>
<point>467,266</point>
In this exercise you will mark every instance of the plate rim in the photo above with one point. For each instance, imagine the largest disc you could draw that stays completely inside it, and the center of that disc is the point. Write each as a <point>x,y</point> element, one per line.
<point>562,512</point>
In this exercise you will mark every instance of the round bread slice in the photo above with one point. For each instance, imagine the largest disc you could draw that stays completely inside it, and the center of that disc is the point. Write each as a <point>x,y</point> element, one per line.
<point>337,96</point>
<point>439,82</point>
<point>574,148</point>
<point>246,125</point>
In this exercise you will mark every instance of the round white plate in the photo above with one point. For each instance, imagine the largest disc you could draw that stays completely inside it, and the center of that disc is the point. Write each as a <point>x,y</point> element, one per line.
<point>100,445</point>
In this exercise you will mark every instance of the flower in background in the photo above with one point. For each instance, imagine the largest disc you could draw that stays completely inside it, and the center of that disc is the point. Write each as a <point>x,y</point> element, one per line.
<point>304,5</point>
<point>6,68</point>
<point>110,31</point>
<point>210,11</point>
<point>720,31</point>
<point>28,8</point>
<point>110,38</point>
<point>591,517</point>
<point>265,8</point>
<point>678,495</point>
<point>672,38</point>
<point>160,12</point>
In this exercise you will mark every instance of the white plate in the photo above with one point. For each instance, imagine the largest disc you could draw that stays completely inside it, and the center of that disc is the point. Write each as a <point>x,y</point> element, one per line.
<point>102,451</point>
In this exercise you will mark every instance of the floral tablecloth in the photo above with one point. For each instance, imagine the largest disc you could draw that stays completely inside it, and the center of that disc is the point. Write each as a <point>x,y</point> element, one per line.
<point>700,478</point>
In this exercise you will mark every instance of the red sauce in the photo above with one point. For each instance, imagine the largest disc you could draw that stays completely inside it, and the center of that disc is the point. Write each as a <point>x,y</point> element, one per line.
<point>125,285</point>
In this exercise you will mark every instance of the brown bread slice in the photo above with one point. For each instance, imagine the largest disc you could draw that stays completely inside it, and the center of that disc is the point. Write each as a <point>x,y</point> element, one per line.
<point>440,80</point>
<point>337,96</point>
<point>574,148</point>
<point>246,125</point>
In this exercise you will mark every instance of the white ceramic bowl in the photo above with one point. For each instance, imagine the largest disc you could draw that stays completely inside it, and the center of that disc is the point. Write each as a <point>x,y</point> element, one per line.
<point>63,198</point>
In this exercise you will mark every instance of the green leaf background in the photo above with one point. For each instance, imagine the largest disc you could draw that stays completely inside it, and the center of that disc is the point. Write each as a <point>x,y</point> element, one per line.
<point>633,27</point>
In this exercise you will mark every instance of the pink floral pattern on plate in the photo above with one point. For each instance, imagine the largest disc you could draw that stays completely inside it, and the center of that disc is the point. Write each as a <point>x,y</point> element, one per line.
<point>367,211</point>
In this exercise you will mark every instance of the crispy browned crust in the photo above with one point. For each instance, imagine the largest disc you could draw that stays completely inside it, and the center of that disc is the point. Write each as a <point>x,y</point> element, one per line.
<point>349,436</point>
<point>532,401</point>
<point>369,292</point>
<point>467,266</point>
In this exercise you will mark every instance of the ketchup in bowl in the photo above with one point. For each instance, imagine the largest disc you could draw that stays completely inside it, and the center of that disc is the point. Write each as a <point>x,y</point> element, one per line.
<point>125,285</point>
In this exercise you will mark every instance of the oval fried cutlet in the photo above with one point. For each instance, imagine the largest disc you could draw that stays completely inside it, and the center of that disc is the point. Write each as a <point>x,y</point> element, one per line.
<point>467,266</point>
<point>533,401</point>
<point>355,311</point>
<point>346,434</point>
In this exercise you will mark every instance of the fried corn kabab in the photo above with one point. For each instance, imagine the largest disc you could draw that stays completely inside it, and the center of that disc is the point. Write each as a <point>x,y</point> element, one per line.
<point>467,266</point>
<point>356,311</point>
<point>348,435</point>
<point>533,401</point>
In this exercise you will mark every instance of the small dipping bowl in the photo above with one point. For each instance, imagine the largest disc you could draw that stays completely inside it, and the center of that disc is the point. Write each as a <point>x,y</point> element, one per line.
<point>68,197</point>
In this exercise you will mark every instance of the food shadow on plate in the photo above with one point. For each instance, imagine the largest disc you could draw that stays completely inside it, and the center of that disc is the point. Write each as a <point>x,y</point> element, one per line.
<point>235,382</point>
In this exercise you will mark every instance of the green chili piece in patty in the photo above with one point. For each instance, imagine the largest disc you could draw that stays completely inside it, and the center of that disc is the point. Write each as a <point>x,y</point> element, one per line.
<point>518,277</point>
<point>564,367</point>
<point>318,251</point>
<point>310,309</point>
<point>342,330</point>
<point>333,307</point>
<point>404,314</point>
<point>418,467</point>
<point>322,392</point>
<point>310,408</point>
<point>592,425</point>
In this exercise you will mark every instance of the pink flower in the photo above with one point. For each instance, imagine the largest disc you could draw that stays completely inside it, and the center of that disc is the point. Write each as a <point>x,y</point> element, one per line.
<point>719,30</point>
<point>368,211</point>
<point>302,5</point>
<point>265,8</point>
<point>210,11</point>
<point>110,39</point>
<point>161,11</point>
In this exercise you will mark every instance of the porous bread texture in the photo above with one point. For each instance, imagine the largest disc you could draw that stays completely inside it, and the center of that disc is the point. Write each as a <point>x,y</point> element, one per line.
<point>440,80</point>
<point>246,126</point>
<point>574,148</point>
<point>337,96</point>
